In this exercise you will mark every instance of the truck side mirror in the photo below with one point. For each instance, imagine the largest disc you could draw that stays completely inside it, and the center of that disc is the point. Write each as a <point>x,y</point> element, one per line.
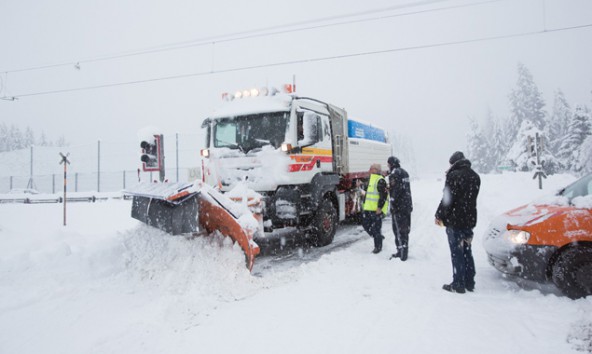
<point>310,127</point>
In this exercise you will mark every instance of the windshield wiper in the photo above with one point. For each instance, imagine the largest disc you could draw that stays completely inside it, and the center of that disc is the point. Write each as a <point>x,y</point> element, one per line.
<point>229,144</point>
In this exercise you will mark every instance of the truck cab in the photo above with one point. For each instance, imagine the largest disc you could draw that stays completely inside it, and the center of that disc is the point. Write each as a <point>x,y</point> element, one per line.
<point>292,150</point>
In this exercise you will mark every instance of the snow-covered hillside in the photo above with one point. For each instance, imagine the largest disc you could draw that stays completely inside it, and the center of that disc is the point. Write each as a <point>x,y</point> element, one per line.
<point>107,284</point>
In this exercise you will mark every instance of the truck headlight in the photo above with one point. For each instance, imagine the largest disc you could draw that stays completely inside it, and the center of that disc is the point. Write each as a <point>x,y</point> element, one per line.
<point>205,152</point>
<point>285,147</point>
<point>517,236</point>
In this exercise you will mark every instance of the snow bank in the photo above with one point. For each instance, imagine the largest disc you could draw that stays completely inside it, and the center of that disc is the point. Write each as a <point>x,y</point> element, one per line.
<point>107,284</point>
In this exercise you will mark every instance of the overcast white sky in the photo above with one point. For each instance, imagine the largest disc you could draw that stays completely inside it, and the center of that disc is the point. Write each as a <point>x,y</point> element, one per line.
<point>418,85</point>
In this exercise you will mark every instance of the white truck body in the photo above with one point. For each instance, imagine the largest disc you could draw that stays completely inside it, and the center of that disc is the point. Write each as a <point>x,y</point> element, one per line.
<point>303,155</point>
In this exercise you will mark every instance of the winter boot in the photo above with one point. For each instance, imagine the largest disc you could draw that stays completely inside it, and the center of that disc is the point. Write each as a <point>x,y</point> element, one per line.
<point>453,288</point>
<point>403,253</point>
<point>396,255</point>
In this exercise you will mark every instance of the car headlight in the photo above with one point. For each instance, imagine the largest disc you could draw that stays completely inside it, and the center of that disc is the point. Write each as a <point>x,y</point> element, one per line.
<point>517,236</point>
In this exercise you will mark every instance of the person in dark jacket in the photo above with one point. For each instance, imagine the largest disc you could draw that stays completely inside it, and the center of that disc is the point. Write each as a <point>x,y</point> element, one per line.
<point>401,206</point>
<point>375,206</point>
<point>458,213</point>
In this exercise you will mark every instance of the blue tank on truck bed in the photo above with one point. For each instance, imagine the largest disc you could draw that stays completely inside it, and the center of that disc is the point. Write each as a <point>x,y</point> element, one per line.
<point>359,130</point>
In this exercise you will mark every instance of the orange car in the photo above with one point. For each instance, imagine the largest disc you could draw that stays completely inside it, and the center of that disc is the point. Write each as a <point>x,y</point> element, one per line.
<point>548,241</point>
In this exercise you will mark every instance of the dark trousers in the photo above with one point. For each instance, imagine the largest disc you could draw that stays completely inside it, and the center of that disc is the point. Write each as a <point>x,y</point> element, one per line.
<point>463,264</point>
<point>401,228</point>
<point>372,223</point>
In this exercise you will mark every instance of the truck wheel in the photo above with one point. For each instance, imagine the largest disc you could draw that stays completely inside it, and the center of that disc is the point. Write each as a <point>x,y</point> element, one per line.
<point>572,272</point>
<point>324,224</point>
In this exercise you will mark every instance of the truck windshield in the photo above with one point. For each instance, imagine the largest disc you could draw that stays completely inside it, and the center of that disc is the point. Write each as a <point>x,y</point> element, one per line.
<point>251,132</point>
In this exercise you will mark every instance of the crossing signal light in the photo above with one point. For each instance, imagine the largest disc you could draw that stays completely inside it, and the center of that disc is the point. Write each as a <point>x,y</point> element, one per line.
<point>152,154</point>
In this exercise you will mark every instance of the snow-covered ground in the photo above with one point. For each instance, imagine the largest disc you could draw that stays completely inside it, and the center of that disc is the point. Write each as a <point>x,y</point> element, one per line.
<point>107,284</point>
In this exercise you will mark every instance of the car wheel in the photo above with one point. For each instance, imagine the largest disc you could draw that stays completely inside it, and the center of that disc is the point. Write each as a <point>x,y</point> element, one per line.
<point>572,272</point>
<point>324,224</point>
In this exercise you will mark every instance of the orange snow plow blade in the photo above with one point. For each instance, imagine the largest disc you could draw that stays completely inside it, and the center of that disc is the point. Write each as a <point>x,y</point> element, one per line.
<point>190,208</point>
<point>213,217</point>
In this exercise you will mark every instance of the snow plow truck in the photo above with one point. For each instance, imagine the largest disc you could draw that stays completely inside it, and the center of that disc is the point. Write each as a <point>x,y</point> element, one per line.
<point>287,161</point>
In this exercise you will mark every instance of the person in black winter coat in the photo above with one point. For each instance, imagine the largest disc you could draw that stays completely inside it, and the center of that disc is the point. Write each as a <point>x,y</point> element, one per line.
<point>401,206</point>
<point>458,213</point>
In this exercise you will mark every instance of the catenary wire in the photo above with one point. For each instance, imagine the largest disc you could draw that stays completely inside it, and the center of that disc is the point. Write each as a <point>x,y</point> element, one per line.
<point>310,60</point>
<point>264,32</point>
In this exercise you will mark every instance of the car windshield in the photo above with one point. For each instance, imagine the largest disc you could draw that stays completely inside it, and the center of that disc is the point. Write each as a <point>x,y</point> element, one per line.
<point>251,132</point>
<point>579,188</point>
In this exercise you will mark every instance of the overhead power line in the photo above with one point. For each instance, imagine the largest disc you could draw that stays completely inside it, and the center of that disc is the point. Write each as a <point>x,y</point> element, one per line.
<point>265,32</point>
<point>309,60</point>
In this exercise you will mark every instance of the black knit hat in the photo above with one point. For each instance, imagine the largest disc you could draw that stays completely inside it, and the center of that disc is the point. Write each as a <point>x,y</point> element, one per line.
<point>393,161</point>
<point>456,156</point>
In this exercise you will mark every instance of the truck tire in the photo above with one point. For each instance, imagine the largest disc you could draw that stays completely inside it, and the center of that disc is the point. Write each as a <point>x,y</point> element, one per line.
<point>572,272</point>
<point>324,224</point>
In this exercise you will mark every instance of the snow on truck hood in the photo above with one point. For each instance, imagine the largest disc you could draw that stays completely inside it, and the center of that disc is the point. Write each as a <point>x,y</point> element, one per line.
<point>263,170</point>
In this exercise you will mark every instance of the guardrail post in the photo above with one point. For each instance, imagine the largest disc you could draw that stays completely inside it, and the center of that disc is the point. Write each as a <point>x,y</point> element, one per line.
<point>31,183</point>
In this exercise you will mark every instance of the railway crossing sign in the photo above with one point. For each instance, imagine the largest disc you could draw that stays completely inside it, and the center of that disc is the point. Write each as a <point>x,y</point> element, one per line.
<point>65,161</point>
<point>537,147</point>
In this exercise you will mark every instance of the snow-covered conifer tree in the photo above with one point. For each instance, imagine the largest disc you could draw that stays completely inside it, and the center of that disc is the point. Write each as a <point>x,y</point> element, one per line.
<point>499,146</point>
<point>520,152</point>
<point>3,137</point>
<point>478,148</point>
<point>579,128</point>
<point>29,138</point>
<point>42,140</point>
<point>15,138</point>
<point>526,103</point>
<point>61,141</point>
<point>585,161</point>
<point>558,121</point>
<point>495,140</point>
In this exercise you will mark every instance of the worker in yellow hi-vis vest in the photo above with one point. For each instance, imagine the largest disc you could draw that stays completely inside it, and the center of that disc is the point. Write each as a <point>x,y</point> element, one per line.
<point>375,206</point>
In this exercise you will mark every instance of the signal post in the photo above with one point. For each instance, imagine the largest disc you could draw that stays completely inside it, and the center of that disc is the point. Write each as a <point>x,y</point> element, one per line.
<point>153,155</point>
